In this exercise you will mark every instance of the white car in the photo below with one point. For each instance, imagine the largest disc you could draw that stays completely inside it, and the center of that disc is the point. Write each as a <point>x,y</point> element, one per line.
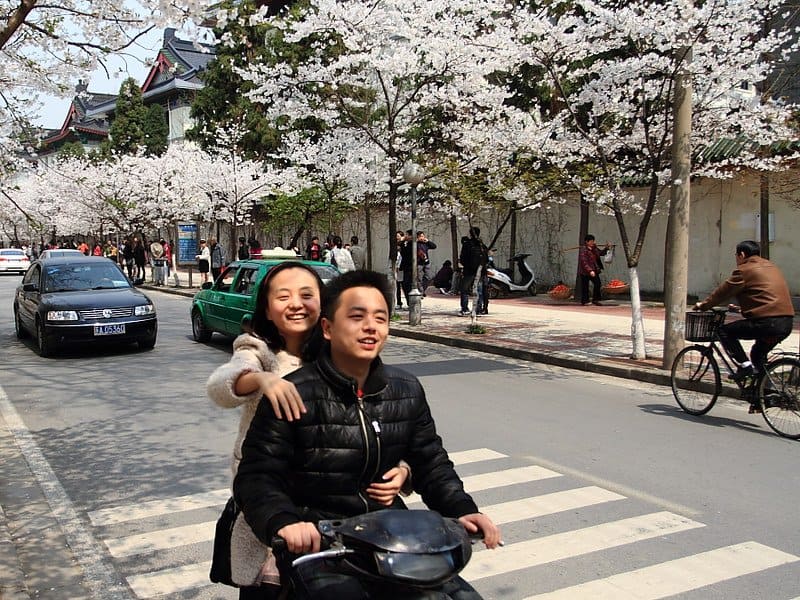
<point>13,260</point>
<point>59,253</point>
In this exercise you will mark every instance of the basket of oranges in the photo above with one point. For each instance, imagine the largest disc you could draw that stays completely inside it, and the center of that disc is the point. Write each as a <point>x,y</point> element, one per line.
<point>616,286</point>
<point>560,292</point>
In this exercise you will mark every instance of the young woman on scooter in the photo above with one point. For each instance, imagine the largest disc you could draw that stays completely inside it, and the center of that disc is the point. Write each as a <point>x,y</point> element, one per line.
<point>283,334</point>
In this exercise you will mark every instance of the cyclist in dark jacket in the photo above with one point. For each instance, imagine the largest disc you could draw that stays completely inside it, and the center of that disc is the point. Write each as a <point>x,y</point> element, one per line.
<point>362,418</point>
<point>765,303</point>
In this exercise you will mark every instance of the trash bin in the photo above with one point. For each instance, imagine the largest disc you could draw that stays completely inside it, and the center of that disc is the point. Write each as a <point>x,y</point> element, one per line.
<point>159,271</point>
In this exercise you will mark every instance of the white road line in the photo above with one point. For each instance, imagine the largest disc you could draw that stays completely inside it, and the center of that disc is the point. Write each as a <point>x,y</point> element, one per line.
<point>100,577</point>
<point>506,512</point>
<point>677,576</point>
<point>161,539</point>
<point>466,457</point>
<point>155,508</point>
<point>170,581</point>
<point>547,504</point>
<point>496,479</point>
<point>531,553</point>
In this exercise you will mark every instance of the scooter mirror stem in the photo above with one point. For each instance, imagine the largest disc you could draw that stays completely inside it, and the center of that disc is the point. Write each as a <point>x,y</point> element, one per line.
<point>332,553</point>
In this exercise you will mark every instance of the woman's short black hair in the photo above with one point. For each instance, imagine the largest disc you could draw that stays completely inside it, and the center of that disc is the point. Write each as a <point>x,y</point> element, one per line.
<point>353,279</point>
<point>259,325</point>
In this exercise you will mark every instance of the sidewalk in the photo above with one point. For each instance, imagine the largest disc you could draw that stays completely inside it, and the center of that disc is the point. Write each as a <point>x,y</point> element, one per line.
<point>539,329</point>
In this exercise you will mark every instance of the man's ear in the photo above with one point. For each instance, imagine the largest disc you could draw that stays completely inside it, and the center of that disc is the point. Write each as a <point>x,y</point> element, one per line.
<point>326,328</point>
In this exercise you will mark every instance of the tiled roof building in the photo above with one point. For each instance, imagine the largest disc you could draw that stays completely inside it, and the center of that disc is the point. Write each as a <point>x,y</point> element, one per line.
<point>172,82</point>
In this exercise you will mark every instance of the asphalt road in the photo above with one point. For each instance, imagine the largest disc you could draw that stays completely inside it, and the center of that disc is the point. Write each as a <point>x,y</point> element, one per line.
<point>598,482</point>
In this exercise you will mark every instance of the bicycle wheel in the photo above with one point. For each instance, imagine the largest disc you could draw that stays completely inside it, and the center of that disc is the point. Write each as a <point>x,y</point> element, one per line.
<point>696,381</point>
<point>779,395</point>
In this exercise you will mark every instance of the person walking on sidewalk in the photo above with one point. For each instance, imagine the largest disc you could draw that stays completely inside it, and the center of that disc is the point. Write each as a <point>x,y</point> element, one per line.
<point>140,258</point>
<point>472,257</point>
<point>358,253</point>
<point>765,303</point>
<point>217,258</point>
<point>399,238</point>
<point>243,253</point>
<point>590,264</point>
<point>203,261</point>
<point>424,246</point>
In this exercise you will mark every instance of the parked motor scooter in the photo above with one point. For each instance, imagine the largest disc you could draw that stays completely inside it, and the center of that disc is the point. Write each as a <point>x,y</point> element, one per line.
<point>501,281</point>
<point>406,554</point>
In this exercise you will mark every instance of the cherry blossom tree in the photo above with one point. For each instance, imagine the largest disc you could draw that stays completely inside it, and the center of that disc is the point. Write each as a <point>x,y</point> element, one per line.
<point>411,77</point>
<point>46,46</point>
<point>611,70</point>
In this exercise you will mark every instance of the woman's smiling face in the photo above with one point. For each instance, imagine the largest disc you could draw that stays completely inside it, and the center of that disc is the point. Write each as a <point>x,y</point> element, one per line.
<point>293,302</point>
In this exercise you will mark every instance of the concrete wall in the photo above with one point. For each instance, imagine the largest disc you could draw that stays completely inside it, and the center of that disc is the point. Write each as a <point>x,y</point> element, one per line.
<point>723,213</point>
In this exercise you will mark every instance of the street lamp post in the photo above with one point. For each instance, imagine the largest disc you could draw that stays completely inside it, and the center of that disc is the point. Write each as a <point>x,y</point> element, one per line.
<point>413,175</point>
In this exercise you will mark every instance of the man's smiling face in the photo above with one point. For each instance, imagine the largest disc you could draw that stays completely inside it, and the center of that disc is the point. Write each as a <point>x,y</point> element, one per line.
<point>358,329</point>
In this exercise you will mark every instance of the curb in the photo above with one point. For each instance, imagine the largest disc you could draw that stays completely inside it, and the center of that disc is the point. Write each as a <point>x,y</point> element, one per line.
<point>600,366</point>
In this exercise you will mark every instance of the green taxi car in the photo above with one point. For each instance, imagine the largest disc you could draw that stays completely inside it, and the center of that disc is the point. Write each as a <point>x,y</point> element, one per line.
<point>223,305</point>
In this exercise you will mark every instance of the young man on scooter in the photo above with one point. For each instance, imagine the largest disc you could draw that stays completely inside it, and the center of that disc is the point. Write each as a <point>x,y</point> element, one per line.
<point>362,418</point>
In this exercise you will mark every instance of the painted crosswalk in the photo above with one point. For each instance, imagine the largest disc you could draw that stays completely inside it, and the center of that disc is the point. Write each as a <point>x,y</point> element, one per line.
<point>523,493</point>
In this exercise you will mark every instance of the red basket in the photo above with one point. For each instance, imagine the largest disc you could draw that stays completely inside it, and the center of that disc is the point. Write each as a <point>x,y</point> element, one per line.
<point>560,294</point>
<point>616,289</point>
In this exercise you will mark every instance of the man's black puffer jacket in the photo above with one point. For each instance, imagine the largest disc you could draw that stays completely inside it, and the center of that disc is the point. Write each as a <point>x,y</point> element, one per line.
<point>320,466</point>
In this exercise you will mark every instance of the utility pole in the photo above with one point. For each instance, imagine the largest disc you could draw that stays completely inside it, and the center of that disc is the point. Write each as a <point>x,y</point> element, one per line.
<point>676,263</point>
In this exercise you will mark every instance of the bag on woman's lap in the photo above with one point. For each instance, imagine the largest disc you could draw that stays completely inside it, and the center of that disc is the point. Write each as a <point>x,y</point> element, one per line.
<point>221,561</point>
<point>240,558</point>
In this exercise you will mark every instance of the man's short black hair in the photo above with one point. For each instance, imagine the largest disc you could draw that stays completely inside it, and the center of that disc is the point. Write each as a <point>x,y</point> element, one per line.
<point>409,232</point>
<point>475,232</point>
<point>589,237</point>
<point>353,279</point>
<point>354,240</point>
<point>748,248</point>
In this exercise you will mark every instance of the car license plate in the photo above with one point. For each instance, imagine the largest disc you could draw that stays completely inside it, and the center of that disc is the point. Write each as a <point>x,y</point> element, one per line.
<point>109,329</point>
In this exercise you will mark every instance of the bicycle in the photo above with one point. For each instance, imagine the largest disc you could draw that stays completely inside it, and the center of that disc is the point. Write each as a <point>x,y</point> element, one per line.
<point>696,379</point>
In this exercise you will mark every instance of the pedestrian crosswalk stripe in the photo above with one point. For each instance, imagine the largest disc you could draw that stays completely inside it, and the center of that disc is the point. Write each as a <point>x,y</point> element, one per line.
<point>161,539</point>
<point>496,479</point>
<point>547,504</point>
<point>677,576</point>
<point>170,581</point>
<point>539,551</point>
<point>155,508</point>
<point>466,457</point>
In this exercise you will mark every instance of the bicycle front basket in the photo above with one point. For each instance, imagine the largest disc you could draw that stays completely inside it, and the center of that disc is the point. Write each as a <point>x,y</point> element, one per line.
<point>700,326</point>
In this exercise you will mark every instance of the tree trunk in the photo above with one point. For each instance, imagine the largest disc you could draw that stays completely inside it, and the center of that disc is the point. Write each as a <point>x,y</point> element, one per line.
<point>454,240</point>
<point>676,263</point>
<point>637,321</point>
<point>368,225</point>
<point>583,230</point>
<point>392,268</point>
<point>764,215</point>
<point>512,248</point>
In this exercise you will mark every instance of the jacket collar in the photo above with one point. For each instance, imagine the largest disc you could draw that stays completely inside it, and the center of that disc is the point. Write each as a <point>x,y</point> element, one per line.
<point>346,386</point>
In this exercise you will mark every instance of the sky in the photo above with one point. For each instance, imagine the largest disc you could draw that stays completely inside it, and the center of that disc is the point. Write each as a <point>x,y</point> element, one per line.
<point>54,109</point>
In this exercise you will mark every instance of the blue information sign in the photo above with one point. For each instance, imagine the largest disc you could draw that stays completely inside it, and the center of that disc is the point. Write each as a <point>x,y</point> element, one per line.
<point>187,243</point>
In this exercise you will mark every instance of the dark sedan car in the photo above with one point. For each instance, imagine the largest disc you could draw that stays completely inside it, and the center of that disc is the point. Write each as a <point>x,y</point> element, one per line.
<point>79,300</point>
